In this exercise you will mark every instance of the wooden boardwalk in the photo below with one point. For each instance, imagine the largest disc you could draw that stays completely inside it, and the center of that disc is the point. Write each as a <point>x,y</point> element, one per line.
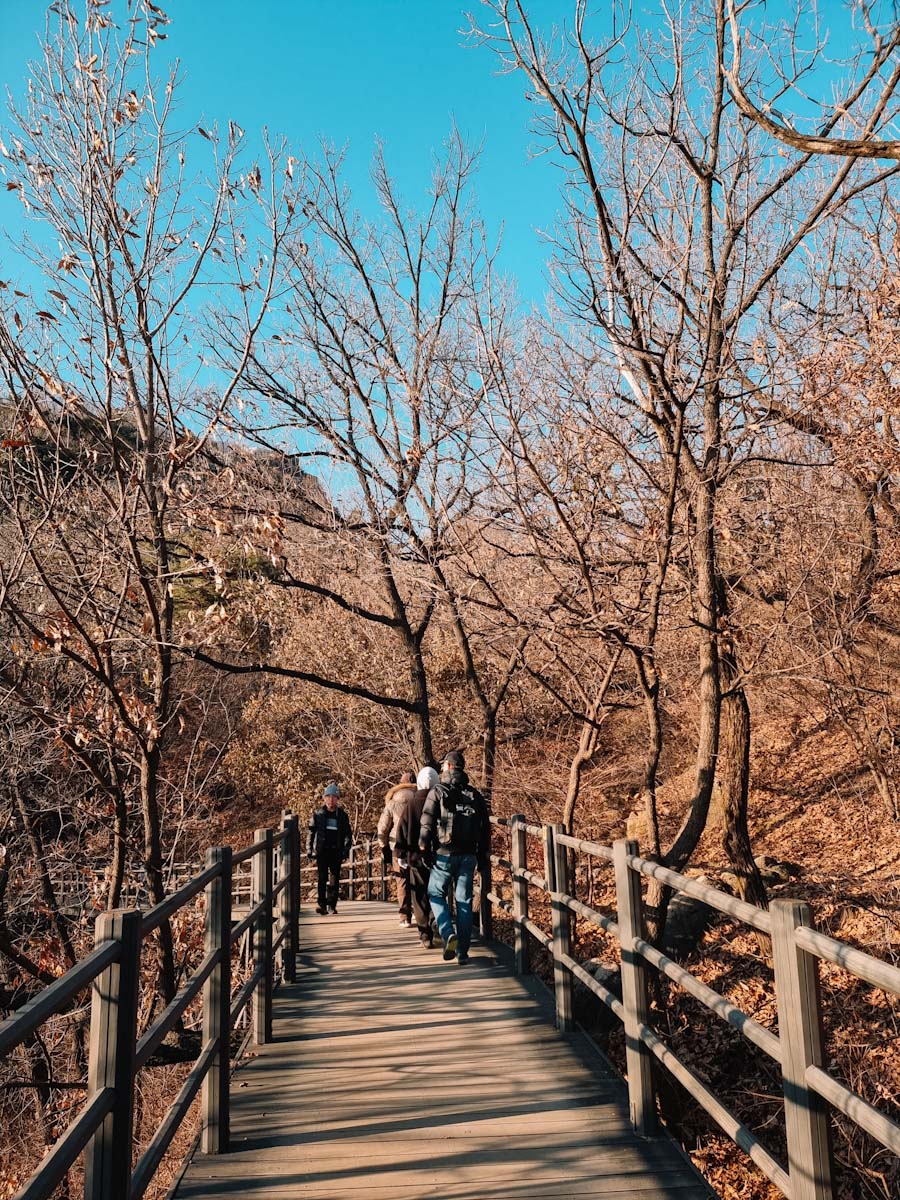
<point>395,1074</point>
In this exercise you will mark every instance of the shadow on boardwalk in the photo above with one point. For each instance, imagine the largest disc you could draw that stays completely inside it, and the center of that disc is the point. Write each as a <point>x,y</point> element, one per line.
<point>395,1074</point>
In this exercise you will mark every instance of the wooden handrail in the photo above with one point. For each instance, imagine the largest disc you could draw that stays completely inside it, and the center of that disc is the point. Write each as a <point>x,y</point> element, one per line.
<point>169,1017</point>
<point>249,918</point>
<point>580,845</point>
<point>863,1114</point>
<point>149,1161</point>
<point>724,1118</point>
<point>757,918</point>
<point>796,950</point>
<point>168,907</point>
<point>103,1128</point>
<point>864,966</point>
<point>711,999</point>
<point>244,994</point>
<point>62,1155</point>
<point>605,922</point>
<point>249,852</point>
<point>25,1020</point>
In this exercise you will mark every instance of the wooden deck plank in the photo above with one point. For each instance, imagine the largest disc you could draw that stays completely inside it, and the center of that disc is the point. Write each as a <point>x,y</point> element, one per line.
<point>396,1074</point>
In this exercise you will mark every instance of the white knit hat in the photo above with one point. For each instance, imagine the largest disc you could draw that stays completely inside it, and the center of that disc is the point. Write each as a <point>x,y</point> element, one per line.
<point>427,779</point>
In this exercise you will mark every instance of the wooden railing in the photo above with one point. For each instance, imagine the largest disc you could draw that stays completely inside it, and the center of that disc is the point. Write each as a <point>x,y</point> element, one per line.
<point>77,888</point>
<point>103,1130</point>
<point>268,929</point>
<point>363,873</point>
<point>796,950</point>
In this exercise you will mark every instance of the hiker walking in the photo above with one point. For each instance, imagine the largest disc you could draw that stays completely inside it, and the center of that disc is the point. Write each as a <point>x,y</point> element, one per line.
<point>419,863</point>
<point>455,822</point>
<point>395,803</point>
<point>329,841</point>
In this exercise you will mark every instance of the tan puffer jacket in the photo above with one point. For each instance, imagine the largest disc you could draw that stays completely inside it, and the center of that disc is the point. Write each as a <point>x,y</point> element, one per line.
<point>395,803</point>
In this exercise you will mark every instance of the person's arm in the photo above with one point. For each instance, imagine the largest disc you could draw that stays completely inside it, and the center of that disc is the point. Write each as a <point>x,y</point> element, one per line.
<point>311,836</point>
<point>427,822</point>
<point>347,839</point>
<point>403,846</point>
<point>385,822</point>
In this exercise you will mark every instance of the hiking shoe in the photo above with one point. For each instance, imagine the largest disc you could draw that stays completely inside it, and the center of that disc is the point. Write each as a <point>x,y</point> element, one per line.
<point>450,947</point>
<point>462,959</point>
<point>321,911</point>
<point>427,942</point>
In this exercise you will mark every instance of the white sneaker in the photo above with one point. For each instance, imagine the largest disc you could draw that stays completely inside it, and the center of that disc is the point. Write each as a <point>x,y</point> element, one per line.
<point>406,924</point>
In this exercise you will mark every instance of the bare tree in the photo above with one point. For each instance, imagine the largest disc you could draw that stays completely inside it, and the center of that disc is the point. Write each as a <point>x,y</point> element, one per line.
<point>368,381</point>
<point>875,85</point>
<point>115,387</point>
<point>681,223</point>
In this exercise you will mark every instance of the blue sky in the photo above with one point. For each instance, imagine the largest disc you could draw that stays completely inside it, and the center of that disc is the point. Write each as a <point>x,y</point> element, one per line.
<point>349,71</point>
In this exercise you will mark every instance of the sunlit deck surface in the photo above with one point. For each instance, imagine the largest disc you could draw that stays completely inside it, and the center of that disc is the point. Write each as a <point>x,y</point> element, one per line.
<point>395,1074</point>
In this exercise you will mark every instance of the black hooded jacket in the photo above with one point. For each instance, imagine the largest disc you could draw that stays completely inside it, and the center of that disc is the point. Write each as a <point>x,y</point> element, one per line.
<point>317,839</point>
<point>438,831</point>
<point>410,824</point>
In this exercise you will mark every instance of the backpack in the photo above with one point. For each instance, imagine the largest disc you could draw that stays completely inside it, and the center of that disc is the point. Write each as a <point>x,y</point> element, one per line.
<point>461,820</point>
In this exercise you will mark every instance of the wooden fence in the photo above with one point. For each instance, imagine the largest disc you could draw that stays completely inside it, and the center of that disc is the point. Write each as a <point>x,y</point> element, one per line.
<point>267,901</point>
<point>103,1130</point>
<point>796,950</point>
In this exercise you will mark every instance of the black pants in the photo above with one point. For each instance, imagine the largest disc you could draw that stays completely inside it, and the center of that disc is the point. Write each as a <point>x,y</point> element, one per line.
<point>421,905</point>
<point>328,865</point>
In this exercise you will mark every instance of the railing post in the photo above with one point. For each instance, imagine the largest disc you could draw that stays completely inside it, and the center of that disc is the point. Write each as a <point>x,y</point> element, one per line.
<point>800,1035</point>
<point>635,996</point>
<point>288,868</point>
<point>519,859</point>
<point>547,832</point>
<point>262,940</point>
<point>384,884</point>
<point>294,891</point>
<point>114,1005</point>
<point>562,927</point>
<point>486,909</point>
<point>217,1004</point>
<point>351,874</point>
<point>368,868</point>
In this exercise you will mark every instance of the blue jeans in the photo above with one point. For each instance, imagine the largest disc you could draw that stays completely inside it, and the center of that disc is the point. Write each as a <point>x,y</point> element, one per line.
<point>457,870</point>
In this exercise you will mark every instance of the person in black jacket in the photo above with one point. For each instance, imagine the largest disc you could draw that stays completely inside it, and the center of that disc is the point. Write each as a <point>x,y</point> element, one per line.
<point>330,837</point>
<point>456,823</point>
<point>419,864</point>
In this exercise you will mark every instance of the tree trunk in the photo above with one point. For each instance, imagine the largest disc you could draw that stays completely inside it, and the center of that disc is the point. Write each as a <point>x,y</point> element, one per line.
<point>733,780</point>
<point>48,892</point>
<point>119,855</point>
<point>733,775</point>
<point>118,861</point>
<point>488,752</point>
<point>587,745</point>
<point>153,867</point>
<point>420,719</point>
<point>649,684</point>
<point>710,706</point>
